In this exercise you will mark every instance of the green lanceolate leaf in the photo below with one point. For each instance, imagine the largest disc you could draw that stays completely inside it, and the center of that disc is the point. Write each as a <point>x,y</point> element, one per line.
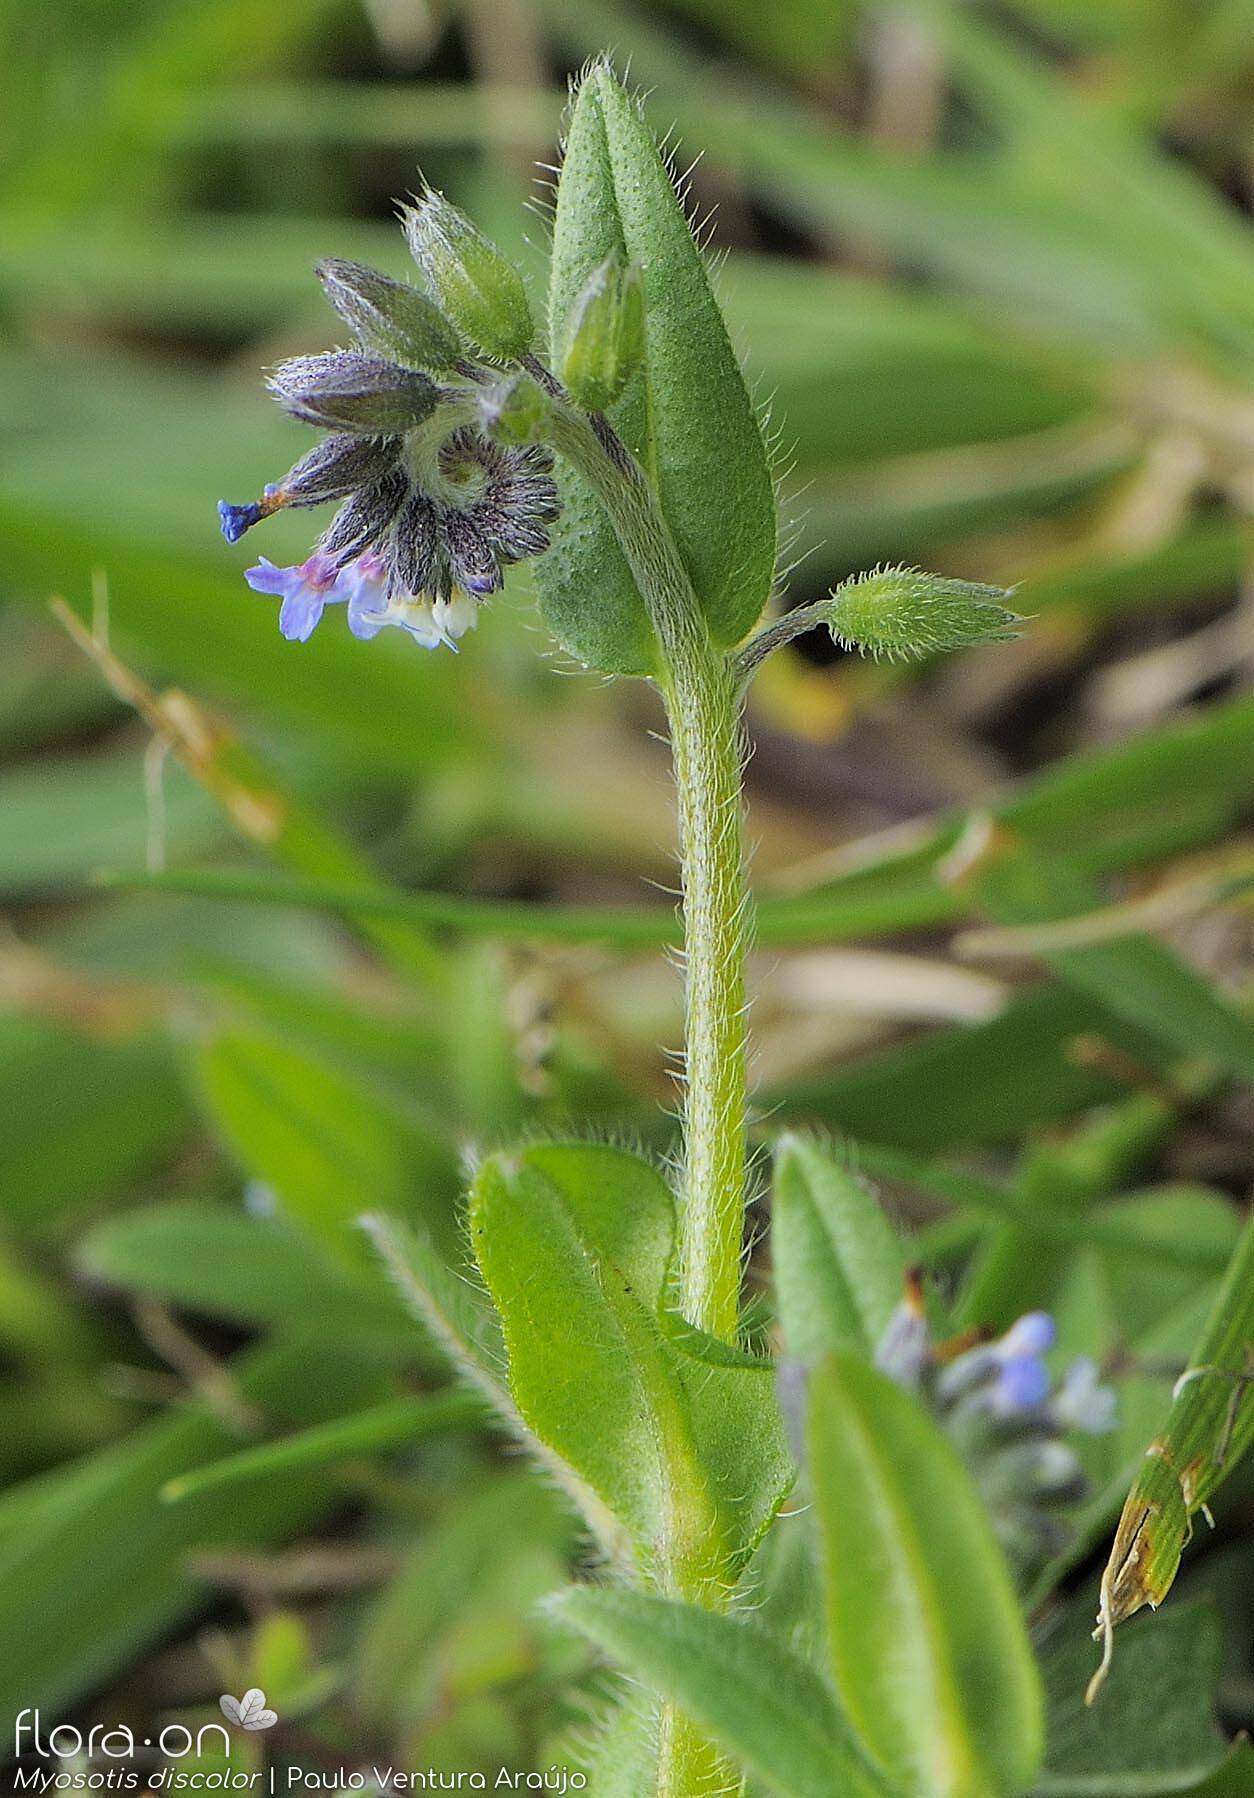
<point>678,1437</point>
<point>1210,1427</point>
<point>575,1270</point>
<point>929,1651</point>
<point>460,1321</point>
<point>838,1263</point>
<point>739,1431</point>
<point>686,414</point>
<point>763,1703</point>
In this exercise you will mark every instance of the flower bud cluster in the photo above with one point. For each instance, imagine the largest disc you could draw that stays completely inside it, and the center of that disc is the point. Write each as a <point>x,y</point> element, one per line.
<point>428,453</point>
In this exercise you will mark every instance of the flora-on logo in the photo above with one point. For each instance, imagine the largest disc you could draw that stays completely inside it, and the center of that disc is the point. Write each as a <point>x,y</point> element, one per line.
<point>248,1712</point>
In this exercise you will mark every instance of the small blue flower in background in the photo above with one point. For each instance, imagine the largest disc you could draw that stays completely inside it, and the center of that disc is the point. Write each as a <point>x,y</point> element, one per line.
<point>1022,1384</point>
<point>997,1402</point>
<point>1082,1402</point>
<point>1034,1334</point>
<point>1006,1376</point>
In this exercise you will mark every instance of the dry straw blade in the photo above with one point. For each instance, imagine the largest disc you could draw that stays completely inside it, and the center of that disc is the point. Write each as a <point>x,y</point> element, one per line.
<point>1210,1427</point>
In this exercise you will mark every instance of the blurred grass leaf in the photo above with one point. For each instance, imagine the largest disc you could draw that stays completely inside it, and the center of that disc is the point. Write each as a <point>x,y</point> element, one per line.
<point>257,1271</point>
<point>82,1118</point>
<point>97,1568</point>
<point>393,1424</point>
<point>977,1083</point>
<point>329,1146</point>
<point>1137,978</point>
<point>1105,807</point>
<point>1154,1731</point>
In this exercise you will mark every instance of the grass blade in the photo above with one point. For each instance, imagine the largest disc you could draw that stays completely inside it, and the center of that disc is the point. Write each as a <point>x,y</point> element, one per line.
<point>398,1421</point>
<point>1210,1427</point>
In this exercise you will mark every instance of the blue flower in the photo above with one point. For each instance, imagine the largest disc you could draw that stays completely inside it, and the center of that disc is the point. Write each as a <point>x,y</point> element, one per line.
<point>995,1402</point>
<point>306,590</point>
<point>1033,1334</point>
<point>1008,1376</point>
<point>1021,1386</point>
<point>235,520</point>
<point>429,621</point>
<point>1082,1402</point>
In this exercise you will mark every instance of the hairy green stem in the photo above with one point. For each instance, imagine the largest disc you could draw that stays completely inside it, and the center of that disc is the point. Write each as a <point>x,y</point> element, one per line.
<point>750,657</point>
<point>701,700</point>
<point>701,690</point>
<point>688,1764</point>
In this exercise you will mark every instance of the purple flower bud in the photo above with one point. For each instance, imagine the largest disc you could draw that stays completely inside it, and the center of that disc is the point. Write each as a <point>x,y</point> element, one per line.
<point>335,468</point>
<point>346,390</point>
<point>235,520</point>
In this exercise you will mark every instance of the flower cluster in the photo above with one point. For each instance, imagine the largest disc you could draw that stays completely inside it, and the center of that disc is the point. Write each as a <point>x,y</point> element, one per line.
<point>1000,1406</point>
<point>431,508</point>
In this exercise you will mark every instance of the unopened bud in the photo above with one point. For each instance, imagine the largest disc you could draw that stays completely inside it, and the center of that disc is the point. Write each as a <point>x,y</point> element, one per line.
<point>900,612</point>
<point>470,280</point>
<point>514,410</point>
<point>347,390</point>
<point>386,316</point>
<point>335,467</point>
<point>604,340</point>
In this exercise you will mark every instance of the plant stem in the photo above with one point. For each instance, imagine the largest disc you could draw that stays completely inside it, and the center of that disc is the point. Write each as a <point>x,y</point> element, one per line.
<point>705,738</point>
<point>688,1765</point>
<point>700,688</point>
